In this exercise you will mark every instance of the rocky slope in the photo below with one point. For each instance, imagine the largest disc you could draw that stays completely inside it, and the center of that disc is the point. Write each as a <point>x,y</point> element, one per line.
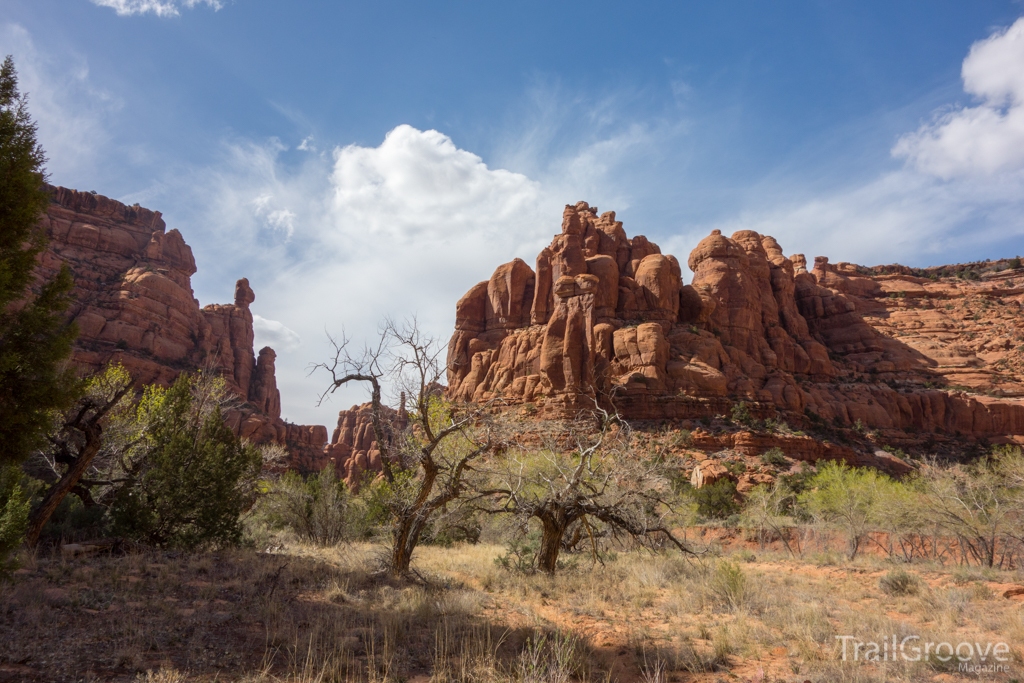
<point>134,305</point>
<point>607,318</point>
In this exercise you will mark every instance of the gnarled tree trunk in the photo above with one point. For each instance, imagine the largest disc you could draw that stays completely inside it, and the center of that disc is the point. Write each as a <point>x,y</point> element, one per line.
<point>553,526</point>
<point>56,494</point>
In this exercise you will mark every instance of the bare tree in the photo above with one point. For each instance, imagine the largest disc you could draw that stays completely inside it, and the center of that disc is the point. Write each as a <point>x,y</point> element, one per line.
<point>425,463</point>
<point>767,510</point>
<point>585,478</point>
<point>982,504</point>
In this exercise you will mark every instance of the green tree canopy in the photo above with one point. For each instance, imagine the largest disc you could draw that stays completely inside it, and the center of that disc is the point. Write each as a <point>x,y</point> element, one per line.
<point>35,339</point>
<point>189,477</point>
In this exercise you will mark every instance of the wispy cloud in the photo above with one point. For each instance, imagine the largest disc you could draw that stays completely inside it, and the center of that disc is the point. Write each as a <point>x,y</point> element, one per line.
<point>161,8</point>
<point>983,139</point>
<point>959,193</point>
<point>69,109</point>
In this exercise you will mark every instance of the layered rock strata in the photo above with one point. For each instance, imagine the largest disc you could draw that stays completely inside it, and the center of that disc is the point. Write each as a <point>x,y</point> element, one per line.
<point>604,318</point>
<point>134,305</point>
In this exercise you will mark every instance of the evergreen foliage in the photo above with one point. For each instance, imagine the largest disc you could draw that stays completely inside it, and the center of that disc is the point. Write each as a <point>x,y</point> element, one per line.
<point>717,500</point>
<point>192,477</point>
<point>34,337</point>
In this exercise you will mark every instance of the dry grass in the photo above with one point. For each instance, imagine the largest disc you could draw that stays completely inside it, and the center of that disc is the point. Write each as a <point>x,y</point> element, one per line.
<point>313,614</point>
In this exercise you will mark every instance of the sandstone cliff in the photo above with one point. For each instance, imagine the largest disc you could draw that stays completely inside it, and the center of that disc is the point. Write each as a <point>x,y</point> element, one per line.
<point>134,305</point>
<point>353,449</point>
<point>607,318</point>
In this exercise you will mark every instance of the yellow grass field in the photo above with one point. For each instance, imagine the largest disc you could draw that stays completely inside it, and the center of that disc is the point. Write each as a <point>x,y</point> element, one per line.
<point>302,613</point>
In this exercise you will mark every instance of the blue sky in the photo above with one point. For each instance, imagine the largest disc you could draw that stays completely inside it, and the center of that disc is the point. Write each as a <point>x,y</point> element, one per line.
<point>356,160</point>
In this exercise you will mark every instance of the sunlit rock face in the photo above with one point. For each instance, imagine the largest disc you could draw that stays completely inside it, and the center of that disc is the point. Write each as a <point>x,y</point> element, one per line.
<point>133,304</point>
<point>604,318</point>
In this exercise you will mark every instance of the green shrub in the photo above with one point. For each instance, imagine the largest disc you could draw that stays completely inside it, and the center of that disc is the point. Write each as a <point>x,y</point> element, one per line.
<point>963,575</point>
<point>459,525</point>
<point>746,555</point>
<point>317,509</point>
<point>774,456</point>
<point>717,500</point>
<point>740,414</point>
<point>849,499</point>
<point>192,478</point>
<point>799,481</point>
<point>728,584</point>
<point>520,553</point>
<point>899,582</point>
<point>14,507</point>
<point>72,521</point>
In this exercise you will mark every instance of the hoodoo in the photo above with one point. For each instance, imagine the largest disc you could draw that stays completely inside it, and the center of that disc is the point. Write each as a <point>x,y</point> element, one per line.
<point>607,318</point>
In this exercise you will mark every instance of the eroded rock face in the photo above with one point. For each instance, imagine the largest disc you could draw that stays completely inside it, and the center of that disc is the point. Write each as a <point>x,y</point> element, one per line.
<point>611,321</point>
<point>353,450</point>
<point>134,305</point>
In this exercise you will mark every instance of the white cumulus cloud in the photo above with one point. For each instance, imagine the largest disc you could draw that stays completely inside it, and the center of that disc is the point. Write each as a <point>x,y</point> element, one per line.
<point>982,139</point>
<point>335,244</point>
<point>161,8</point>
<point>274,334</point>
<point>417,185</point>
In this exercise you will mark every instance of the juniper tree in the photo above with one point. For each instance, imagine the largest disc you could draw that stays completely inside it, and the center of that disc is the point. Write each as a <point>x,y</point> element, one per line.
<point>35,339</point>
<point>188,479</point>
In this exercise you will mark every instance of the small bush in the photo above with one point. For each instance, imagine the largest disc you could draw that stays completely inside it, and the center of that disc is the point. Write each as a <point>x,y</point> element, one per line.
<point>315,509</point>
<point>699,660</point>
<point>521,554</point>
<point>73,521</point>
<point>964,575</point>
<point>718,500</point>
<point>555,658</point>
<point>741,415</point>
<point>682,438</point>
<point>774,456</point>
<point>728,584</point>
<point>456,526</point>
<point>899,582</point>
<point>799,481</point>
<point>746,555</point>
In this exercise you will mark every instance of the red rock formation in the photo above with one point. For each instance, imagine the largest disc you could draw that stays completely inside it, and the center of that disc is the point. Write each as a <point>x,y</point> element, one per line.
<point>134,305</point>
<point>611,321</point>
<point>353,449</point>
